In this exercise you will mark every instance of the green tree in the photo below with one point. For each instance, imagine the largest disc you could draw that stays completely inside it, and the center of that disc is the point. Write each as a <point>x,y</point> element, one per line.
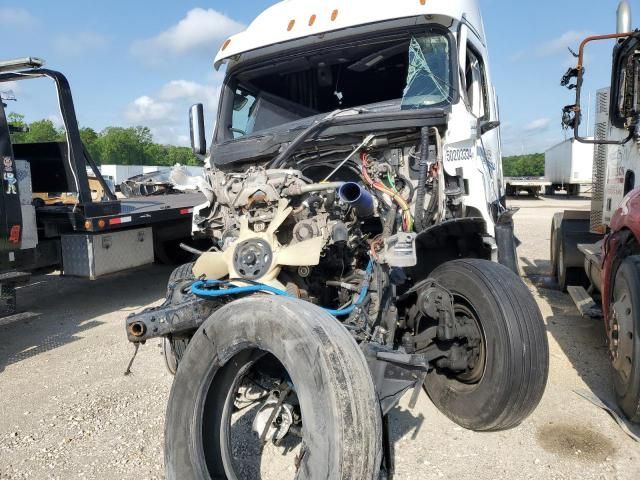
<point>17,120</point>
<point>155,154</point>
<point>43,131</point>
<point>90,139</point>
<point>531,165</point>
<point>181,155</point>
<point>121,146</point>
<point>113,145</point>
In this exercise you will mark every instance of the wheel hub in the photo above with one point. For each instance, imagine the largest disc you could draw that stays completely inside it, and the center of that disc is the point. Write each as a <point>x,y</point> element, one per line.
<point>475,346</point>
<point>621,334</point>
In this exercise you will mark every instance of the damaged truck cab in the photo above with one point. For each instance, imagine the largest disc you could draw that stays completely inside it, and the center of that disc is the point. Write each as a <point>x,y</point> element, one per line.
<point>377,69</point>
<point>361,247</point>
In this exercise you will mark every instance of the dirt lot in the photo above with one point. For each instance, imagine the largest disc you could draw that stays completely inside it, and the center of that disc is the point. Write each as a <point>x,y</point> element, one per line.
<point>67,411</point>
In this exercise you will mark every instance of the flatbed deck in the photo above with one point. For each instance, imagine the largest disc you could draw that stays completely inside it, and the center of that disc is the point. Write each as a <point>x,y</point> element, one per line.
<point>131,212</point>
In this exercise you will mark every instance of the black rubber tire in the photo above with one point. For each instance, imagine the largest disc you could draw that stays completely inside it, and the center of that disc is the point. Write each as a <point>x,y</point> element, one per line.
<point>553,248</point>
<point>173,349</point>
<point>341,414</point>
<point>182,274</point>
<point>573,190</point>
<point>627,386</point>
<point>561,273</point>
<point>517,351</point>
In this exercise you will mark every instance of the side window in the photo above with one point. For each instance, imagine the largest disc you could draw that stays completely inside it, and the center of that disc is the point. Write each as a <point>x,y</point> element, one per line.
<point>476,85</point>
<point>625,89</point>
<point>628,88</point>
<point>243,104</point>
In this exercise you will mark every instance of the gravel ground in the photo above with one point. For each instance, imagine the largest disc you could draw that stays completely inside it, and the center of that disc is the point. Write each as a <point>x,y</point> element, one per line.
<point>67,411</point>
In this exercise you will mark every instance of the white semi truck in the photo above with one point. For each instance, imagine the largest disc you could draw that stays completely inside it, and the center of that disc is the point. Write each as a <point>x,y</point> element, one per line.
<point>361,247</point>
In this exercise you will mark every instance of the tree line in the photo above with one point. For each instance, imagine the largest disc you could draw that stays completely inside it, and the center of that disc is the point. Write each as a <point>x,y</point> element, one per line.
<point>113,145</point>
<point>531,165</point>
<point>135,146</point>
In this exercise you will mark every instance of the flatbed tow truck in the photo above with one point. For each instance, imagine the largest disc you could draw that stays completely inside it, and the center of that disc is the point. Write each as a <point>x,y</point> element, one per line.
<point>89,238</point>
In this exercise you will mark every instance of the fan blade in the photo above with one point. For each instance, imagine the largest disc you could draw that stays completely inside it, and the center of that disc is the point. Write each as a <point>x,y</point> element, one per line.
<point>211,265</point>
<point>245,231</point>
<point>281,215</point>
<point>301,254</point>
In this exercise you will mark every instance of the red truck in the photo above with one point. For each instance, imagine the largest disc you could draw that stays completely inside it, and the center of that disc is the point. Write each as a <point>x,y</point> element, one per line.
<point>595,255</point>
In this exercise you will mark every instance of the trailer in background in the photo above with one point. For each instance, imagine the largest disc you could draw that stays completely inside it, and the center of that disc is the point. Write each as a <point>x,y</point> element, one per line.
<point>533,186</point>
<point>568,166</point>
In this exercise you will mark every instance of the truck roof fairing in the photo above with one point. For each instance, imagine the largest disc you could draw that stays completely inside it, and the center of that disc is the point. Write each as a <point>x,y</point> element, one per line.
<point>297,19</point>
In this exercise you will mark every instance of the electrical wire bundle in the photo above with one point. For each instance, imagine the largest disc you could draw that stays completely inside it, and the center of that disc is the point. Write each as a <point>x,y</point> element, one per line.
<point>407,218</point>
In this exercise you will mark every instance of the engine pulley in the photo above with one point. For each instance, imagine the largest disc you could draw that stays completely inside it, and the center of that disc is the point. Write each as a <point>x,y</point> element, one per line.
<point>252,258</point>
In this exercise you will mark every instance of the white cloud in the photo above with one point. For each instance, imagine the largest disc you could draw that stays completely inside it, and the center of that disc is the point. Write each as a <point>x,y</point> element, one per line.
<point>556,46</point>
<point>80,43</point>
<point>56,119</point>
<point>570,39</point>
<point>200,30</point>
<point>17,18</point>
<point>537,125</point>
<point>10,87</point>
<point>534,137</point>
<point>166,112</point>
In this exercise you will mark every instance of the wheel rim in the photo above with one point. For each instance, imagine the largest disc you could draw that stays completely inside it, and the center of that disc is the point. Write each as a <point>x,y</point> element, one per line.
<point>621,331</point>
<point>248,405</point>
<point>477,348</point>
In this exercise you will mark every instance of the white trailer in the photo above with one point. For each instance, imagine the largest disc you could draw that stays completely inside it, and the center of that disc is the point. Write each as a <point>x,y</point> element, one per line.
<point>568,166</point>
<point>533,186</point>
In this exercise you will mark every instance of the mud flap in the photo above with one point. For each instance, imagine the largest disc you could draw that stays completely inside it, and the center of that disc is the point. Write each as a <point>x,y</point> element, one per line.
<point>507,241</point>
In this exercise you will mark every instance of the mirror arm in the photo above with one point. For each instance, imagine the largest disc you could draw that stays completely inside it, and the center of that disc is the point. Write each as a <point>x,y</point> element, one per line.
<point>577,108</point>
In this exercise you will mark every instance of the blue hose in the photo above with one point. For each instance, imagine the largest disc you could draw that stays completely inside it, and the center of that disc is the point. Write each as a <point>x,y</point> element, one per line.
<point>202,289</point>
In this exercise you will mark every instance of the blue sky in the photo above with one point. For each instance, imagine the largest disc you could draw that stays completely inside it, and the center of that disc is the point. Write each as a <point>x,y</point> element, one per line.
<point>145,62</point>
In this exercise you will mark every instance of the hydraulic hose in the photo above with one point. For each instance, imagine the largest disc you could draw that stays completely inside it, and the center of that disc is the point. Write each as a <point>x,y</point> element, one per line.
<point>207,289</point>
<point>421,191</point>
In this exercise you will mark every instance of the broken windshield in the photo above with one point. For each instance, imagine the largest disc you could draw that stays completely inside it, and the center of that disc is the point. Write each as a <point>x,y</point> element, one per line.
<point>428,78</point>
<point>398,72</point>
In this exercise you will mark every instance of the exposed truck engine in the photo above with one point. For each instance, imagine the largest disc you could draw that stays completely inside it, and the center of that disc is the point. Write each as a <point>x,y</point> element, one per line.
<point>361,247</point>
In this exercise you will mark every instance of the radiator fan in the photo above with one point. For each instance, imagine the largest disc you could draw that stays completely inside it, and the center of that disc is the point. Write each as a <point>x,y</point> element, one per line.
<point>259,257</point>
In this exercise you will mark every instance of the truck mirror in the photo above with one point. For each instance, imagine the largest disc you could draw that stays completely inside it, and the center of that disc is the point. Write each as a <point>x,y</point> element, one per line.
<point>487,126</point>
<point>196,126</point>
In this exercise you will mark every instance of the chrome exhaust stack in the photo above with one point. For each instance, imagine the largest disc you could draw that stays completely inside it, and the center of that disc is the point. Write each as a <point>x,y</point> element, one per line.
<point>624,17</point>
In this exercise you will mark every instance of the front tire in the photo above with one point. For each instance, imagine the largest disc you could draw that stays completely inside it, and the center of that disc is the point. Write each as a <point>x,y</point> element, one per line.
<point>515,359</point>
<point>624,336</point>
<point>341,424</point>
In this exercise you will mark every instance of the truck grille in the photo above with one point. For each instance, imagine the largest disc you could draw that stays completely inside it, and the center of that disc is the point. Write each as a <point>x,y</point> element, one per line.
<point>600,160</point>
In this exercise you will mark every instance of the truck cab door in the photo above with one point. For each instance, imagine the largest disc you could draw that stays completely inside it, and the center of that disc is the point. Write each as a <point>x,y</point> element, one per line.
<point>482,104</point>
<point>10,209</point>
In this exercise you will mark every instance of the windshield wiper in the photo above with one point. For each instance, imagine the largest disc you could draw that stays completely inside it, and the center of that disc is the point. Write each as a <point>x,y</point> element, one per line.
<point>281,159</point>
